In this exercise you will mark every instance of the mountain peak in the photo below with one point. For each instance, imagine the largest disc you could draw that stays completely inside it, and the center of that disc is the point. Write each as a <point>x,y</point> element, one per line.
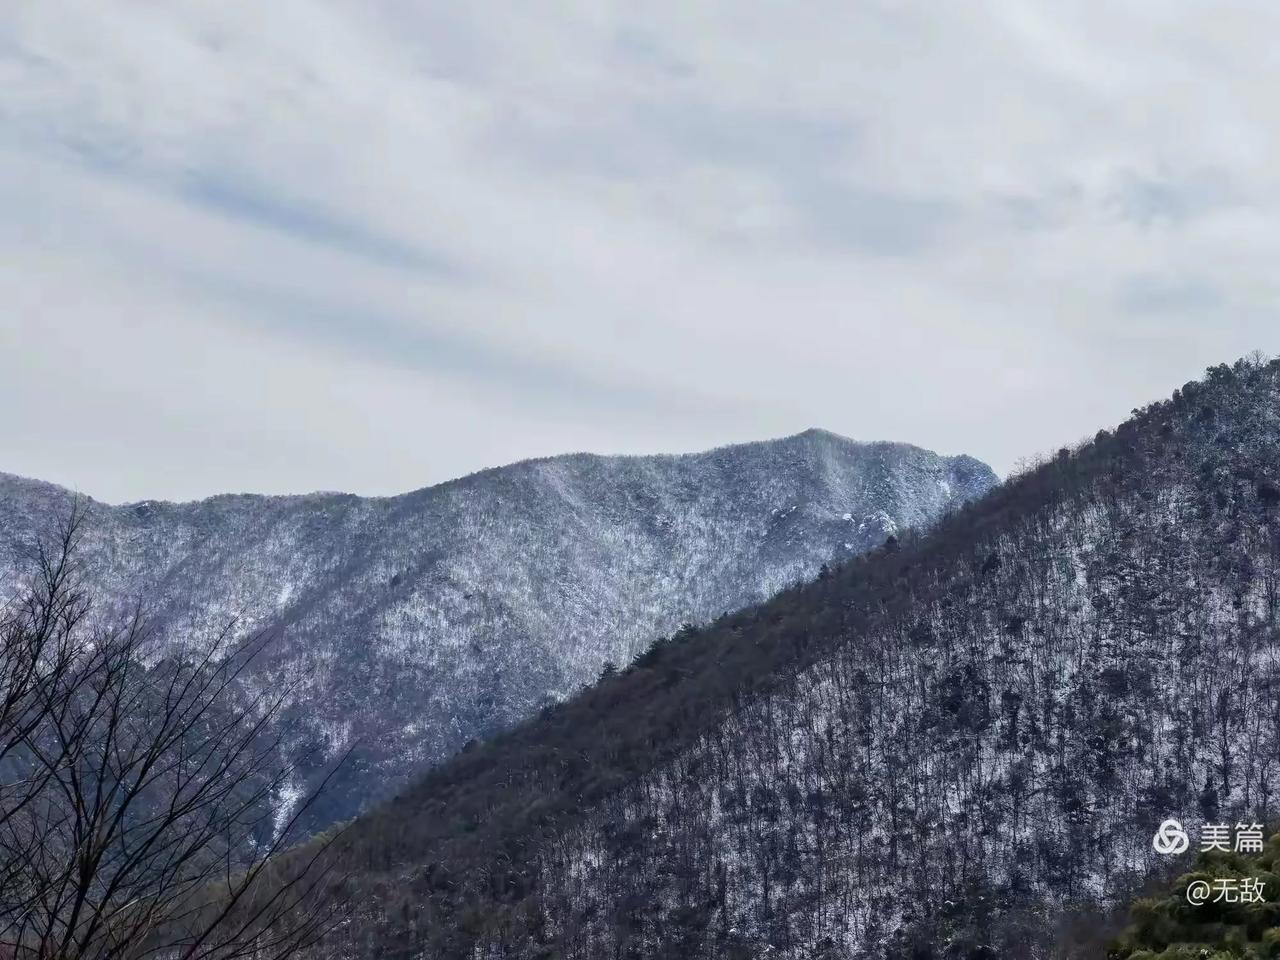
<point>821,433</point>
<point>430,618</point>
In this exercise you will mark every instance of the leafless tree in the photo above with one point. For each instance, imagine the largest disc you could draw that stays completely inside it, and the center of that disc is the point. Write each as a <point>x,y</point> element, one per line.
<point>141,787</point>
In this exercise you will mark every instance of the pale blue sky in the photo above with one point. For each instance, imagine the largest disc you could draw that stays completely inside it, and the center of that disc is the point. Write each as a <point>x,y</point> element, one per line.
<point>314,244</point>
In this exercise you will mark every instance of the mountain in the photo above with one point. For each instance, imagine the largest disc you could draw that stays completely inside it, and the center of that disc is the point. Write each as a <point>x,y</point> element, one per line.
<point>410,625</point>
<point>959,745</point>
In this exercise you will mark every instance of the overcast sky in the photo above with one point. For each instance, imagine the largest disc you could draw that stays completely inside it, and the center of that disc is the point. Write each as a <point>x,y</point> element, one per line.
<point>369,246</point>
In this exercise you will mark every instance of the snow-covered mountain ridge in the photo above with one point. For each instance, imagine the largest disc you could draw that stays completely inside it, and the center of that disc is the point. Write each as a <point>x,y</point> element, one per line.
<point>411,624</point>
<point>956,747</point>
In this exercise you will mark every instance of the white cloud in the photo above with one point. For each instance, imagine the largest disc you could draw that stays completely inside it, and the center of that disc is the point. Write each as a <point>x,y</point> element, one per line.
<point>371,246</point>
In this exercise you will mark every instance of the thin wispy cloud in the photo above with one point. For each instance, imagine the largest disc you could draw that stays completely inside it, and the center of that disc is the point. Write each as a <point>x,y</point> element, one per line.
<point>372,246</point>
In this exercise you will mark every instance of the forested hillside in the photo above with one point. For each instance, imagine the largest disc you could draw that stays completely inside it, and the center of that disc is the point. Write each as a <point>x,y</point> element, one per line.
<point>405,626</point>
<point>950,747</point>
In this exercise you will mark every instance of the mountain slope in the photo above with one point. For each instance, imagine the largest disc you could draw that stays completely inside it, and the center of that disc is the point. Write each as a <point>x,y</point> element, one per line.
<point>945,749</point>
<point>412,624</point>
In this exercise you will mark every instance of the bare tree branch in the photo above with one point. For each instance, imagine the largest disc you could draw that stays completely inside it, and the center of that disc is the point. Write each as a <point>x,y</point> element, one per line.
<point>140,781</point>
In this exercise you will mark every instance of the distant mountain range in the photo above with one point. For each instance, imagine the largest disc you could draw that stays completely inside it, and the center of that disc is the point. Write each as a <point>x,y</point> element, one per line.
<point>410,625</point>
<point>957,746</point>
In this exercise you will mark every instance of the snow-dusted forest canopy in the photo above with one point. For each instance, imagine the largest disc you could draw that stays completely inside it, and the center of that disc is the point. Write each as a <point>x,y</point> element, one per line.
<point>957,744</point>
<point>403,627</point>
